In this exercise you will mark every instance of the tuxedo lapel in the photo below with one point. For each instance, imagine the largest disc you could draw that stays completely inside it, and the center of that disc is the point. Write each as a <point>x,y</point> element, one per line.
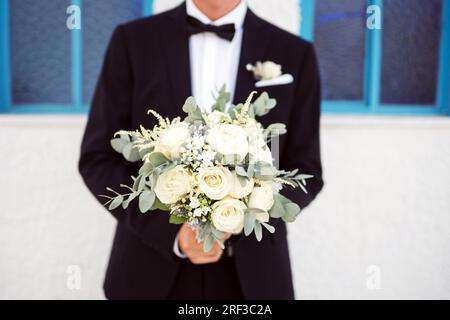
<point>254,47</point>
<point>176,45</point>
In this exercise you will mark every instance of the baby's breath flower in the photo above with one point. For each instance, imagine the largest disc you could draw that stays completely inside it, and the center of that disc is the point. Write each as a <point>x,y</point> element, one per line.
<point>194,203</point>
<point>198,212</point>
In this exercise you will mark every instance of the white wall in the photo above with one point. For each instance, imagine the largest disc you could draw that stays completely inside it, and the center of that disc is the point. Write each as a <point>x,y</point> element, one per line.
<point>385,204</point>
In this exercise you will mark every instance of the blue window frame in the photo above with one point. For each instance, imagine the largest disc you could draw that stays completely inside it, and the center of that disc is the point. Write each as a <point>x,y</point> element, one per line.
<point>370,101</point>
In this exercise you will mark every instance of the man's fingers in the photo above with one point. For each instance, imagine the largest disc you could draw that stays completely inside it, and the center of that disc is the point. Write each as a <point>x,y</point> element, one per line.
<point>198,252</point>
<point>193,249</point>
<point>206,259</point>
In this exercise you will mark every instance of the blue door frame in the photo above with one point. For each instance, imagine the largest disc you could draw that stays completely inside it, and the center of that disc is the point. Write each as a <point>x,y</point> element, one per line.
<point>372,70</point>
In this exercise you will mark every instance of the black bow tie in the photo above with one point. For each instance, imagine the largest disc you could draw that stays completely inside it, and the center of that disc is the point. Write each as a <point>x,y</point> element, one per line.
<point>194,26</point>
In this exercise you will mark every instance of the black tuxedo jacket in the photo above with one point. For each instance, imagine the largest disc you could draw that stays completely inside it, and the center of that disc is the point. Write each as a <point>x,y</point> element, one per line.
<point>147,66</point>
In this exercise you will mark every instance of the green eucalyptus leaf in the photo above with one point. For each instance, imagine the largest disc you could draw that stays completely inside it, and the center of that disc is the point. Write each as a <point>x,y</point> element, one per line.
<point>258,231</point>
<point>145,151</point>
<point>249,222</point>
<point>146,169</point>
<point>218,234</point>
<point>243,181</point>
<point>193,111</point>
<point>208,243</point>
<point>146,200</point>
<point>264,171</point>
<point>142,182</point>
<point>157,159</point>
<point>174,219</point>
<point>131,153</point>
<point>241,171</point>
<point>118,144</point>
<point>251,111</point>
<point>277,210</point>
<point>233,109</point>
<point>130,198</point>
<point>263,104</point>
<point>222,99</point>
<point>292,211</point>
<point>269,228</point>
<point>159,205</point>
<point>189,105</point>
<point>116,202</point>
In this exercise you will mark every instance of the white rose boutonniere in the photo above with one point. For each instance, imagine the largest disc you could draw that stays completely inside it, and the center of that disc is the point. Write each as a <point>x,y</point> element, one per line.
<point>215,182</point>
<point>228,215</point>
<point>173,184</point>
<point>265,70</point>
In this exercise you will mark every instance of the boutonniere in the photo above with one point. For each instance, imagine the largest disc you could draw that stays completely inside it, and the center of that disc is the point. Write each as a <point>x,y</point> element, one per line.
<point>268,73</point>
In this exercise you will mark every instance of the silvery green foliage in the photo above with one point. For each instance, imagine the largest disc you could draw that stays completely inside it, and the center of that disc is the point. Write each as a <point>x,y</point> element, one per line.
<point>193,110</point>
<point>222,99</point>
<point>263,104</point>
<point>295,179</point>
<point>252,224</point>
<point>284,208</point>
<point>208,235</point>
<point>124,145</point>
<point>142,186</point>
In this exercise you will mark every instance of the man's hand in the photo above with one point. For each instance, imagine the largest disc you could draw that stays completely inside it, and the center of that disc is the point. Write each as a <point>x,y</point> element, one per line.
<point>194,251</point>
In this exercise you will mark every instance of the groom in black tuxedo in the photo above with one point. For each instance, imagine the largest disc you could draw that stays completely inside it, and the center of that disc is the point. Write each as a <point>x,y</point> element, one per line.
<point>157,62</point>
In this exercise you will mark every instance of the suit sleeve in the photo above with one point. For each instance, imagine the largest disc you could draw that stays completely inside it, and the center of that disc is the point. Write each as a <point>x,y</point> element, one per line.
<point>100,166</point>
<point>302,149</point>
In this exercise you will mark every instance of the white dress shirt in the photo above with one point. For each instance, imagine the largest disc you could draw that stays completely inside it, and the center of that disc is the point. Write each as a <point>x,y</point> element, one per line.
<point>214,61</point>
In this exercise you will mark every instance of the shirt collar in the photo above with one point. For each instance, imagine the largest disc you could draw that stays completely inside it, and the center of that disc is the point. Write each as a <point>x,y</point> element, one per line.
<point>236,16</point>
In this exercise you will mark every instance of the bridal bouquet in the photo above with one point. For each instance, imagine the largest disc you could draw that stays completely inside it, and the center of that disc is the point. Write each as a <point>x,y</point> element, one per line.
<point>211,170</point>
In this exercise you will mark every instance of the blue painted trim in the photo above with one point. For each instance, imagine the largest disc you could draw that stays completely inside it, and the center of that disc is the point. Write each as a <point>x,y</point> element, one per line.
<point>373,61</point>
<point>5,74</point>
<point>359,107</point>
<point>77,61</point>
<point>307,19</point>
<point>443,92</point>
<point>48,109</point>
<point>147,7</point>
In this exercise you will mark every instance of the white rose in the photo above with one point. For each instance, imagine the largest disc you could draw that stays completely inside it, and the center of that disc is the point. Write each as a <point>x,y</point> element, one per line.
<point>265,70</point>
<point>172,139</point>
<point>173,184</point>
<point>215,117</point>
<point>238,191</point>
<point>260,152</point>
<point>229,140</point>
<point>228,215</point>
<point>215,182</point>
<point>262,198</point>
